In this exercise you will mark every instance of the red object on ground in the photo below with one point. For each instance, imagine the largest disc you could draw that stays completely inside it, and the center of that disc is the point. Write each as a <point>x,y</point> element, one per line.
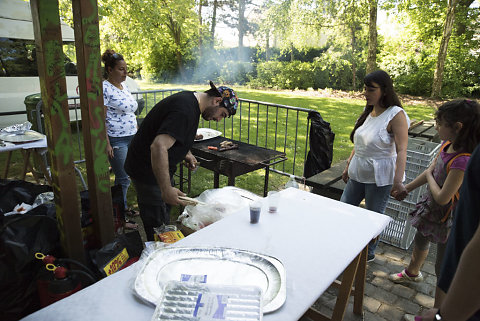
<point>60,272</point>
<point>212,147</point>
<point>53,289</point>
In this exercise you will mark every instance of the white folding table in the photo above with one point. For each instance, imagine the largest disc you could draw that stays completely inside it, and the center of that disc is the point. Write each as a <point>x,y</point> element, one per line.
<point>315,238</point>
<point>39,147</point>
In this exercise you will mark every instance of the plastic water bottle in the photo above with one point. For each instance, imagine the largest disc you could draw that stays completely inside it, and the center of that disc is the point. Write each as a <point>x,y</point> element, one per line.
<point>291,182</point>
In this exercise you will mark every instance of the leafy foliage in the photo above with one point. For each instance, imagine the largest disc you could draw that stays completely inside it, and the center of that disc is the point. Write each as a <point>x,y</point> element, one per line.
<point>156,36</point>
<point>411,56</point>
<point>324,42</point>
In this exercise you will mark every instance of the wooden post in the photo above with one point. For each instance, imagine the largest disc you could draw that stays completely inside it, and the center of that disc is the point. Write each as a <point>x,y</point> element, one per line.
<point>87,43</point>
<point>50,57</point>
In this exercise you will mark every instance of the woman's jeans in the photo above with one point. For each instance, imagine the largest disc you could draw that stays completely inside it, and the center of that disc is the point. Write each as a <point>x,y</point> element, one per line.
<point>376,199</point>
<point>120,149</point>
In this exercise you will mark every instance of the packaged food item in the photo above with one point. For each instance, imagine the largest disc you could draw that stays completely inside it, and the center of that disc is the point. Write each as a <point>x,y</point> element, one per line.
<point>209,302</point>
<point>167,234</point>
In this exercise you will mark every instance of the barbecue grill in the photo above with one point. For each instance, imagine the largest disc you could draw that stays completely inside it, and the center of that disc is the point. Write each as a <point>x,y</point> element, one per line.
<point>235,162</point>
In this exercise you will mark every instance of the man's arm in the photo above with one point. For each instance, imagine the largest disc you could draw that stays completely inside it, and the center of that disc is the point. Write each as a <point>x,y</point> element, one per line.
<point>463,299</point>
<point>159,159</point>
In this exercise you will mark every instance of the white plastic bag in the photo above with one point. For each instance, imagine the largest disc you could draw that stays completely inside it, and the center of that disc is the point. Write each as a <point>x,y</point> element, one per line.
<point>219,203</point>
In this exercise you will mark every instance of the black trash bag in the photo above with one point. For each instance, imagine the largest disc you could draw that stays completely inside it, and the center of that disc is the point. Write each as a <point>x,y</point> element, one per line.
<point>319,157</point>
<point>15,192</point>
<point>21,236</point>
<point>122,252</point>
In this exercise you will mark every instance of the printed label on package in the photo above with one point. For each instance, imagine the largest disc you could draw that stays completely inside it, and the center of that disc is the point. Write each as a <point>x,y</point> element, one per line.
<point>210,305</point>
<point>193,278</point>
<point>117,262</point>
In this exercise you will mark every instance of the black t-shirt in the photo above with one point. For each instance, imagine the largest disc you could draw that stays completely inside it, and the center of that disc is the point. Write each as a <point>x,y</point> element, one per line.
<point>466,220</point>
<point>177,116</point>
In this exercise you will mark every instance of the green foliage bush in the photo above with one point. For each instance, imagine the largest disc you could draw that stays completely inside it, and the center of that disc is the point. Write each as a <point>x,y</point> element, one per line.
<point>411,75</point>
<point>284,75</point>
<point>462,72</point>
<point>324,72</point>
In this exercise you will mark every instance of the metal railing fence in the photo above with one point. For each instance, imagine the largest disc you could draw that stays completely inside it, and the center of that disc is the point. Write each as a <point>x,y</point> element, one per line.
<point>274,126</point>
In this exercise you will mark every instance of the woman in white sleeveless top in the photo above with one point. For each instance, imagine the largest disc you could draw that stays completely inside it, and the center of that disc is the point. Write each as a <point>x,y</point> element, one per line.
<point>376,166</point>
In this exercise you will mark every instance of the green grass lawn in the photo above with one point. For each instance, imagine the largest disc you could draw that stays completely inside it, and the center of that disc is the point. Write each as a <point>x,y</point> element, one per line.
<point>340,112</point>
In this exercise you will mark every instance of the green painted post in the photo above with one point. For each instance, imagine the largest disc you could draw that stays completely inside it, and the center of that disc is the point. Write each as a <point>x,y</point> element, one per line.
<point>87,43</point>
<point>48,40</point>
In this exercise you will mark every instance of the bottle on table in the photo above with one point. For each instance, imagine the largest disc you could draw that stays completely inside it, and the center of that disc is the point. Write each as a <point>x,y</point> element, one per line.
<point>291,182</point>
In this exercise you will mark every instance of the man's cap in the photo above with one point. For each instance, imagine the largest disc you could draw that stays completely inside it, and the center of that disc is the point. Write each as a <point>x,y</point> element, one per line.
<point>229,98</point>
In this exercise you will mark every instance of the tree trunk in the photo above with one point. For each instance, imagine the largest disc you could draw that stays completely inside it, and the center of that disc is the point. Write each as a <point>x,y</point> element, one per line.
<point>214,22</point>
<point>176,31</point>
<point>354,64</point>
<point>267,47</point>
<point>200,45</point>
<point>442,51</point>
<point>372,37</point>
<point>241,28</point>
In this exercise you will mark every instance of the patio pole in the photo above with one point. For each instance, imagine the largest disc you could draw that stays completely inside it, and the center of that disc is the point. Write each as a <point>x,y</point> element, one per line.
<point>87,43</point>
<point>48,40</point>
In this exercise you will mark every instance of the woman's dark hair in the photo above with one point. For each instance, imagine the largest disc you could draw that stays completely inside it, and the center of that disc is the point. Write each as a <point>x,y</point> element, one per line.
<point>466,112</point>
<point>110,59</point>
<point>389,97</point>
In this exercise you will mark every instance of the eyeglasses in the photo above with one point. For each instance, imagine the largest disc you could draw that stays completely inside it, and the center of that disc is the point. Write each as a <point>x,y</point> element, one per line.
<point>117,56</point>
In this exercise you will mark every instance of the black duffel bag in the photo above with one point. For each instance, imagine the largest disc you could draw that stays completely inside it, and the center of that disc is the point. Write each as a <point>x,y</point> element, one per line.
<point>21,236</point>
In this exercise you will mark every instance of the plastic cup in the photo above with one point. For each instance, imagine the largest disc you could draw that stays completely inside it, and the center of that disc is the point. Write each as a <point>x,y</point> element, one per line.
<point>273,200</point>
<point>255,209</point>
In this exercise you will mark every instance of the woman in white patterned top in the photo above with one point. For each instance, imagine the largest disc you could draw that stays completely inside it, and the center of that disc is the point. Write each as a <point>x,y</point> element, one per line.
<point>121,123</point>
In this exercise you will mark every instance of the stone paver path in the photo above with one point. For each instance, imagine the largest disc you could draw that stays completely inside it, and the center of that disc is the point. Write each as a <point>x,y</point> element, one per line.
<point>385,300</point>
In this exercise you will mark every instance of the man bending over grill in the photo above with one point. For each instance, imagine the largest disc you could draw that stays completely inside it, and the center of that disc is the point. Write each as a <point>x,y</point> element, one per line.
<point>163,140</point>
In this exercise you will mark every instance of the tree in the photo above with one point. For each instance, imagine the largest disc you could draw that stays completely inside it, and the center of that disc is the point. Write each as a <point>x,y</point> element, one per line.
<point>236,19</point>
<point>372,37</point>
<point>411,55</point>
<point>155,35</point>
<point>442,51</point>
<point>214,21</point>
<point>201,3</point>
<point>350,20</point>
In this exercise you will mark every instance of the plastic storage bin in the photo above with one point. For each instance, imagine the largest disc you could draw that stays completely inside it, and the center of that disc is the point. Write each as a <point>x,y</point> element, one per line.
<point>399,232</point>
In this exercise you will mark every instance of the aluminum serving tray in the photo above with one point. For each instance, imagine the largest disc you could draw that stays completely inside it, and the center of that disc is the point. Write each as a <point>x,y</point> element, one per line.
<point>24,137</point>
<point>212,265</point>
